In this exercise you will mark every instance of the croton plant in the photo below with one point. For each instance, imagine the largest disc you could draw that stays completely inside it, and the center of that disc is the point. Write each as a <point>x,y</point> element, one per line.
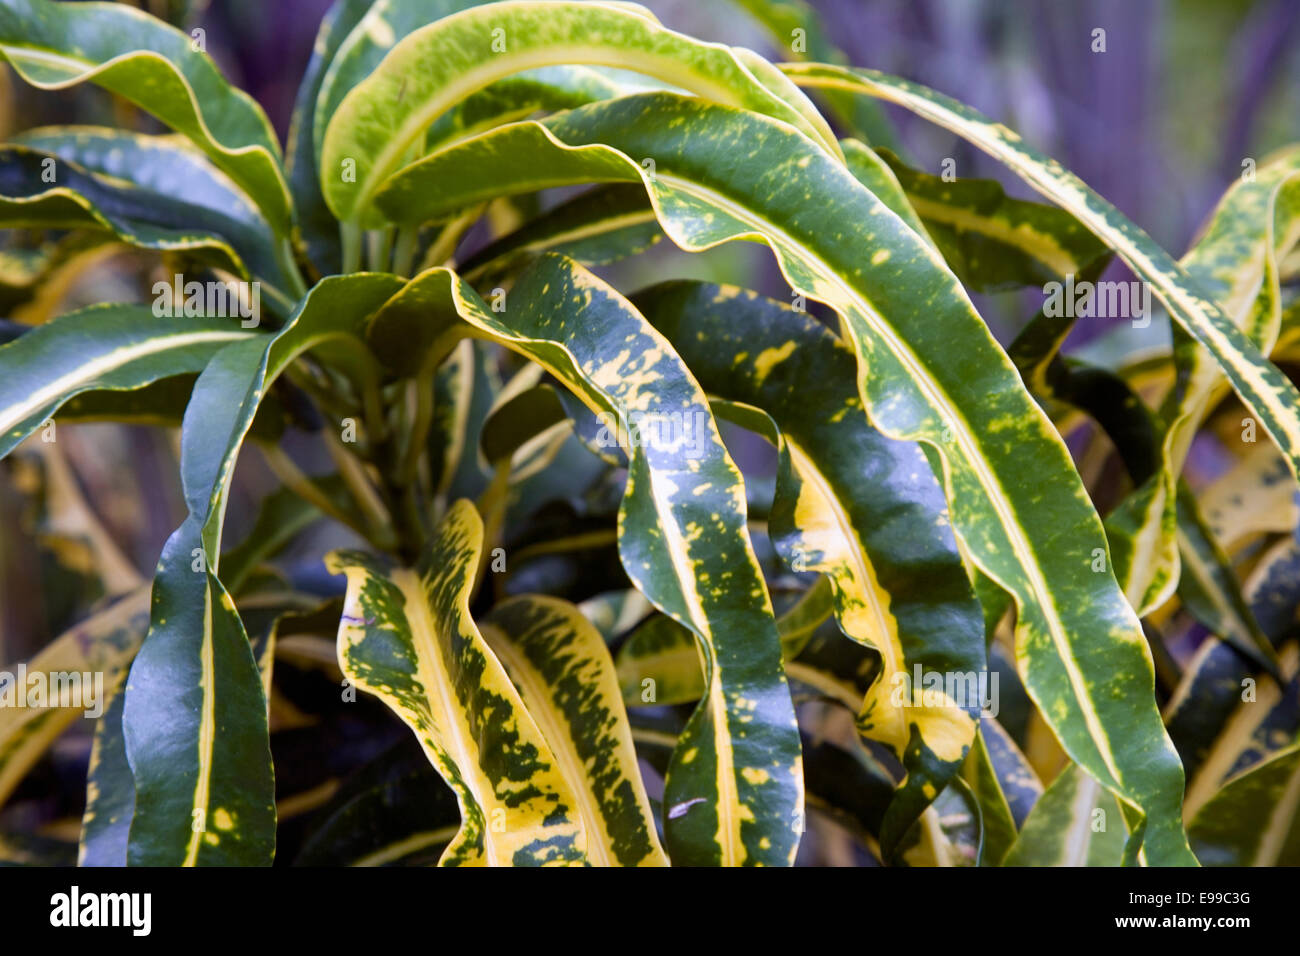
<point>554,621</point>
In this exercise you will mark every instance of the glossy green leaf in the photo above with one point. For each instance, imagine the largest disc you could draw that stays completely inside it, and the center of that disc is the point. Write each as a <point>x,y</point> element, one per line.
<point>929,371</point>
<point>853,505</point>
<point>1075,823</point>
<point>565,676</point>
<point>1260,385</point>
<point>56,45</point>
<point>104,347</point>
<point>733,792</point>
<point>435,67</point>
<point>407,637</point>
<point>1255,819</point>
<point>204,797</point>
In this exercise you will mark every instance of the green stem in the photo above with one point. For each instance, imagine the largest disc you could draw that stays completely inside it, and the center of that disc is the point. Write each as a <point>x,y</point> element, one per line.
<point>289,266</point>
<point>293,478</point>
<point>408,238</point>
<point>363,493</point>
<point>421,397</point>
<point>350,239</point>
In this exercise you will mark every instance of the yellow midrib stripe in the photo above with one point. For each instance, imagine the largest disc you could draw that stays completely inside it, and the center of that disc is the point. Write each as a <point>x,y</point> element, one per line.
<point>1047,251</point>
<point>729,841</point>
<point>451,732</point>
<point>869,589</point>
<point>487,72</point>
<point>207,727</point>
<point>538,703</point>
<point>1280,822</point>
<point>1079,838</point>
<point>1170,293</point>
<point>976,461</point>
<point>109,362</point>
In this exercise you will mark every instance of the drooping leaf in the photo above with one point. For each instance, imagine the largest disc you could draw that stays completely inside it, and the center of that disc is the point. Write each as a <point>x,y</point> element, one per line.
<point>80,199</point>
<point>111,347</point>
<point>56,45</point>
<point>430,70</point>
<point>856,506</point>
<point>1255,819</point>
<point>1261,386</point>
<point>925,361</point>
<point>733,791</point>
<point>565,676</point>
<point>407,637</point>
<point>204,797</point>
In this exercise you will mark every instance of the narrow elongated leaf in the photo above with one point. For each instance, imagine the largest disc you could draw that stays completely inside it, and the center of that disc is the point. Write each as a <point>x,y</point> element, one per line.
<point>733,791</point>
<point>435,67</point>
<point>856,506</point>
<point>104,643</point>
<point>566,678</point>
<point>929,371</point>
<point>998,823</point>
<point>1236,262</point>
<point>110,790</point>
<point>317,227</point>
<point>363,47</point>
<point>57,45</point>
<point>1261,386</point>
<point>104,347</point>
<point>407,637</point>
<point>1255,819</point>
<point>1220,681</point>
<point>80,199</point>
<point>1074,823</point>
<point>201,796</point>
<point>601,226</point>
<point>991,240</point>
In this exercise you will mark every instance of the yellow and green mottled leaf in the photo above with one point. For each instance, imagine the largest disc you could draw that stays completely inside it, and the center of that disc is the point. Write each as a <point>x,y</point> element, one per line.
<point>407,637</point>
<point>929,371</point>
<point>1192,302</point>
<point>734,790</point>
<point>564,673</point>
<point>57,45</point>
<point>1255,819</point>
<point>853,505</point>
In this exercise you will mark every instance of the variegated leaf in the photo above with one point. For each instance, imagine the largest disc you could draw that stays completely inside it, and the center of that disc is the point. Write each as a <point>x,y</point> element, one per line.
<point>407,637</point>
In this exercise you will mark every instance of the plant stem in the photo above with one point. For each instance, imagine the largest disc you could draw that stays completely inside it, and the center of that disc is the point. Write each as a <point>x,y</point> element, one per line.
<point>289,266</point>
<point>350,239</point>
<point>408,237</point>
<point>420,395</point>
<point>363,493</point>
<point>379,246</point>
<point>293,478</point>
